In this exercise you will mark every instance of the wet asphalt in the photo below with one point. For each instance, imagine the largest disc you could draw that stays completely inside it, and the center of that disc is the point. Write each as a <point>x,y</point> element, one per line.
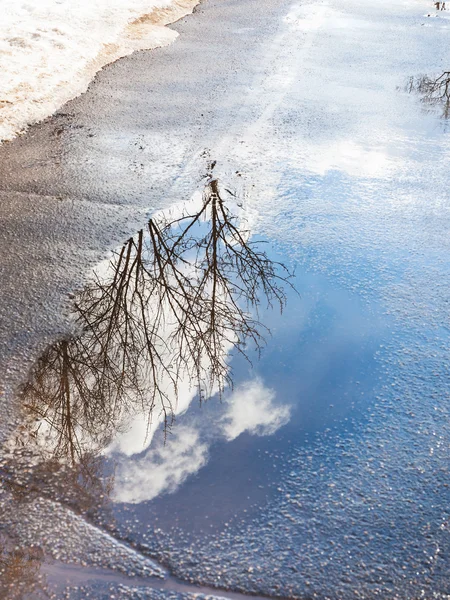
<point>81,182</point>
<point>353,189</point>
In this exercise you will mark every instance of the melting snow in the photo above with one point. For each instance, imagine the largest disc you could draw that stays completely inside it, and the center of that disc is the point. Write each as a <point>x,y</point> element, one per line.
<point>51,49</point>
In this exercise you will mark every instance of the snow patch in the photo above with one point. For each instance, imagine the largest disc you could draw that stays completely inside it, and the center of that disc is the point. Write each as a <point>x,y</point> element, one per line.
<point>50,50</point>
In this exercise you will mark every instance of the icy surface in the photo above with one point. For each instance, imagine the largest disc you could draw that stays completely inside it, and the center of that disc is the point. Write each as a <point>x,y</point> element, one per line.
<point>51,49</point>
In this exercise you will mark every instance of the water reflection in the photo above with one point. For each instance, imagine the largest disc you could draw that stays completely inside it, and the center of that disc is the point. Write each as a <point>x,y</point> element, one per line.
<point>158,319</point>
<point>251,408</point>
<point>157,325</point>
<point>433,91</point>
<point>20,571</point>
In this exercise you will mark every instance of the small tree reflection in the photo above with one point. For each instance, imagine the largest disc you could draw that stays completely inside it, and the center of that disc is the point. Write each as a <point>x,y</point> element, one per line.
<point>20,571</point>
<point>433,91</point>
<point>169,307</point>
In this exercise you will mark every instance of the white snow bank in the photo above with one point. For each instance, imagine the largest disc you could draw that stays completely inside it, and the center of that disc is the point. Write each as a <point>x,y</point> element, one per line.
<point>51,49</point>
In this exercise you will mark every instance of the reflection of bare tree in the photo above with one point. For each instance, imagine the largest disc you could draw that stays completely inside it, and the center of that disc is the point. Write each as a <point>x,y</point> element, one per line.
<point>210,301</point>
<point>82,485</point>
<point>20,571</point>
<point>170,306</point>
<point>433,91</point>
<point>18,574</point>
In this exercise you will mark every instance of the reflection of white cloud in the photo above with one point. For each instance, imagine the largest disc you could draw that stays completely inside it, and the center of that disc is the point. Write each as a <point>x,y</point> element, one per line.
<point>349,157</point>
<point>162,469</point>
<point>137,433</point>
<point>251,408</point>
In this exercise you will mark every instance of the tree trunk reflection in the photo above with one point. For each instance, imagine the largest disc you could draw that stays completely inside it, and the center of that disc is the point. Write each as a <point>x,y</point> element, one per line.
<point>433,91</point>
<point>170,306</point>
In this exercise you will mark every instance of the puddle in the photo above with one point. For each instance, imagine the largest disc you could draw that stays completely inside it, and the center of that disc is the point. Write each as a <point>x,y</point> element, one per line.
<point>195,435</point>
<point>169,415</point>
<point>324,471</point>
<point>96,581</point>
<point>157,323</point>
<point>316,374</point>
<point>432,91</point>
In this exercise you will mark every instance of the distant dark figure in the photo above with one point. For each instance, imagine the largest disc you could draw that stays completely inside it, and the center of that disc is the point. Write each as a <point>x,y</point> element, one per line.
<point>437,5</point>
<point>443,6</point>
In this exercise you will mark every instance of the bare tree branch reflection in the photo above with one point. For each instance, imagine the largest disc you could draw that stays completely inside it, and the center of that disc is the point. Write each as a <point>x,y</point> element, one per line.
<point>220,277</point>
<point>433,91</point>
<point>20,571</point>
<point>169,307</point>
